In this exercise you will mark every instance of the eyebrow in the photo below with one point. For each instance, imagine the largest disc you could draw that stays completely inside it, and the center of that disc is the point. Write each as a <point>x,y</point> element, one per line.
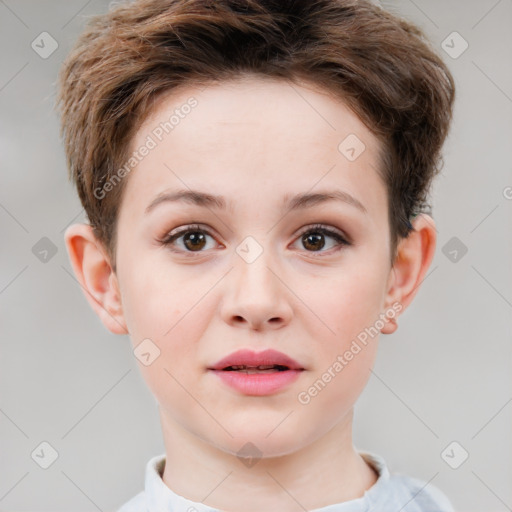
<point>297,202</point>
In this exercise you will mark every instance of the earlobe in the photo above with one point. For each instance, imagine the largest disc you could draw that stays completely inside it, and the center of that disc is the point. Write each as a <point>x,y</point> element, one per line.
<point>95,275</point>
<point>415,254</point>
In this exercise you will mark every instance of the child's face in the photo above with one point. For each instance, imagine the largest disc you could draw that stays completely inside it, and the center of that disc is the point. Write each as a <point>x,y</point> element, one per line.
<point>257,143</point>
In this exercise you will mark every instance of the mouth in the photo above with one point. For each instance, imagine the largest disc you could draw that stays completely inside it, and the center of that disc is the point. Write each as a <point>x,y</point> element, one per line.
<point>256,369</point>
<point>268,361</point>
<point>257,373</point>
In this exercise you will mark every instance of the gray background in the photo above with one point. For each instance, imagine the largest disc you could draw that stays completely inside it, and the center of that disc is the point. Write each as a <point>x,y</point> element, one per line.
<point>443,376</point>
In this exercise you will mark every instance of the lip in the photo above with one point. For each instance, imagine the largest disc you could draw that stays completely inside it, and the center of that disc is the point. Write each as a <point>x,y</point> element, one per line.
<point>257,384</point>
<point>247,357</point>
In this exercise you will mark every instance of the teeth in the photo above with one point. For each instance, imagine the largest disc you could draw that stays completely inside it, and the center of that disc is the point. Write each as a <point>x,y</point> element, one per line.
<point>271,368</point>
<point>254,370</point>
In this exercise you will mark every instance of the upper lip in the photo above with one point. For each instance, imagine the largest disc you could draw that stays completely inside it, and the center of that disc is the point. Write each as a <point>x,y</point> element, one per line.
<point>245,357</point>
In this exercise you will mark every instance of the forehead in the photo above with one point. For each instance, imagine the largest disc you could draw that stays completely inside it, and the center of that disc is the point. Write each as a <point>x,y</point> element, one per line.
<point>260,136</point>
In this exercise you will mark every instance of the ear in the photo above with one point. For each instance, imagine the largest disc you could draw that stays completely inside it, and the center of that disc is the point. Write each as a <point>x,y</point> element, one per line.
<point>415,254</point>
<point>95,275</point>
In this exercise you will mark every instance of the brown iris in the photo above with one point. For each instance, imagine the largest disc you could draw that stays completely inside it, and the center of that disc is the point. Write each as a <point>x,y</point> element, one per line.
<point>313,239</point>
<point>194,240</point>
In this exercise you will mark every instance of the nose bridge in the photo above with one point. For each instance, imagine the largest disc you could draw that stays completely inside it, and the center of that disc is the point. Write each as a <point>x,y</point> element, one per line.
<point>253,261</point>
<point>256,293</point>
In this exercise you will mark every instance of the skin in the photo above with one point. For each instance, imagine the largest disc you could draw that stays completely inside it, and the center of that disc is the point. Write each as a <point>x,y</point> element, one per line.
<point>254,141</point>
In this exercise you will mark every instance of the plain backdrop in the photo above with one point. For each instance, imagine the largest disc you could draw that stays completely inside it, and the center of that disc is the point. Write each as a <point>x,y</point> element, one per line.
<point>441,387</point>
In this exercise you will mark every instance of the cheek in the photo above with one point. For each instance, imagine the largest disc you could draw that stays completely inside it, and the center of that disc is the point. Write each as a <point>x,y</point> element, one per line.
<point>334,391</point>
<point>156,299</point>
<point>158,307</point>
<point>149,307</point>
<point>348,303</point>
<point>170,309</point>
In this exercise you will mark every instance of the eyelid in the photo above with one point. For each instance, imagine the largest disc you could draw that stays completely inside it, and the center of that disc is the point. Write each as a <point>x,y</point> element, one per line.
<point>325,228</point>
<point>168,237</point>
<point>341,238</point>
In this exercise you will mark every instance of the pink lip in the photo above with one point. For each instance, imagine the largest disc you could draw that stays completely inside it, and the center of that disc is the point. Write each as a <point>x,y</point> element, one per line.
<point>258,384</point>
<point>249,358</point>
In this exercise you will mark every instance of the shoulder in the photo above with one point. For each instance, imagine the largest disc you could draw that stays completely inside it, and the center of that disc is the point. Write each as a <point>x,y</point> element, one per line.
<point>152,486</point>
<point>396,491</point>
<point>415,495</point>
<point>136,504</point>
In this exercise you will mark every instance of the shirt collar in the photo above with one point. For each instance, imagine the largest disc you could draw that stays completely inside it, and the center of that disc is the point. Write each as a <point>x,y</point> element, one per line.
<point>161,498</point>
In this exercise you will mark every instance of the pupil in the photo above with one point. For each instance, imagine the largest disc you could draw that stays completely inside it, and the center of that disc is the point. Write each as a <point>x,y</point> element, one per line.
<point>314,238</point>
<point>194,238</point>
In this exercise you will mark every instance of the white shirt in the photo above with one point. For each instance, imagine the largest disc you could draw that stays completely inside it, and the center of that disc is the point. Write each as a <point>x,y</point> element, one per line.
<point>390,493</point>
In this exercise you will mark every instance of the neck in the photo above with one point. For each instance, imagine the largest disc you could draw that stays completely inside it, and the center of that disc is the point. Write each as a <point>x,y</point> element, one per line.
<point>325,472</point>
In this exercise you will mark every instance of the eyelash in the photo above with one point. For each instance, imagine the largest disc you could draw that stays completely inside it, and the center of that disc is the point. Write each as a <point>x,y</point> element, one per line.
<point>316,228</point>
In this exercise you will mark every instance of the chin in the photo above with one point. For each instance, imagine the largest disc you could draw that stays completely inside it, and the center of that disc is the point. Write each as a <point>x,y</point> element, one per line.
<point>257,442</point>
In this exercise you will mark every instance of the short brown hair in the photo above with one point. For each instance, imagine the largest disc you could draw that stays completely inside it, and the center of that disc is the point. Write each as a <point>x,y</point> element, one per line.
<point>380,65</point>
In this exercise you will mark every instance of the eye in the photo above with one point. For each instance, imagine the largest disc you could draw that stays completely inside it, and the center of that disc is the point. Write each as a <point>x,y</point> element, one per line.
<point>313,238</point>
<point>194,239</point>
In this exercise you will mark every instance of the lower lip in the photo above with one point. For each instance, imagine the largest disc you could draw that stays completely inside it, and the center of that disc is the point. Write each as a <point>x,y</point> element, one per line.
<point>258,384</point>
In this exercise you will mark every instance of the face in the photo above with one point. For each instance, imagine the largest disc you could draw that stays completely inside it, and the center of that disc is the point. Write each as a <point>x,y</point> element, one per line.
<point>305,278</point>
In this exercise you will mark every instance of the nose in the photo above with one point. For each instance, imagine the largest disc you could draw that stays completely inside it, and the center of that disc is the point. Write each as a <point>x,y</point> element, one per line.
<point>256,296</point>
